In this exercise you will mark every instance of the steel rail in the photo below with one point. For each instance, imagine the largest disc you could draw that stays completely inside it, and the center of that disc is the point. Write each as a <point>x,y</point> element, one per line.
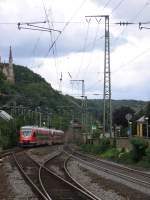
<point>70,184</point>
<point>40,178</point>
<point>60,178</point>
<point>115,165</point>
<point>28,179</point>
<point>9,152</point>
<point>109,171</point>
<point>76,182</point>
<point>5,154</point>
<point>67,171</point>
<point>41,183</point>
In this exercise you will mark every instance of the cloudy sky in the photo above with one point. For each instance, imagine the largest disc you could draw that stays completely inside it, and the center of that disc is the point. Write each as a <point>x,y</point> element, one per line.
<point>78,53</point>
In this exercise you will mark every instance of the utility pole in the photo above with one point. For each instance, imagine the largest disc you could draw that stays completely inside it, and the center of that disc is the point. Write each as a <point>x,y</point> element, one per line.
<point>60,84</point>
<point>107,111</point>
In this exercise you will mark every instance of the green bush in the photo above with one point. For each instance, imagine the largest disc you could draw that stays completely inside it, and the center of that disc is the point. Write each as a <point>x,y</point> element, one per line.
<point>148,155</point>
<point>8,136</point>
<point>139,149</point>
<point>97,148</point>
<point>104,144</point>
<point>125,158</point>
<point>86,147</point>
<point>111,153</point>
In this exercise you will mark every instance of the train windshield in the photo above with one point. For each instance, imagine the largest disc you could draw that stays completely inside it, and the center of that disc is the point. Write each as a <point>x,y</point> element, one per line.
<point>26,133</point>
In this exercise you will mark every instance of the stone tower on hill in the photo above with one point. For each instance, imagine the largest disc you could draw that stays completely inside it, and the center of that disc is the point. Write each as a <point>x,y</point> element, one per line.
<point>7,68</point>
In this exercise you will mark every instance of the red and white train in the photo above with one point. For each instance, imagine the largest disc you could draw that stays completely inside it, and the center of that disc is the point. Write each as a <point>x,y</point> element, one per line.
<point>33,136</point>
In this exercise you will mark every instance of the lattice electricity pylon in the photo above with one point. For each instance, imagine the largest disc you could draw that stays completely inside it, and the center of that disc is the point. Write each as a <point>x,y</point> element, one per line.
<point>107,112</point>
<point>83,103</point>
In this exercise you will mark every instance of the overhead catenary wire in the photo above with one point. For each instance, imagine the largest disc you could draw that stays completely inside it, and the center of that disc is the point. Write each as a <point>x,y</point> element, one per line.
<point>62,31</point>
<point>51,38</point>
<point>117,6</point>
<point>84,48</point>
<point>132,60</point>
<point>91,55</point>
<point>99,20</point>
<point>67,23</point>
<point>106,4</point>
<point>133,19</point>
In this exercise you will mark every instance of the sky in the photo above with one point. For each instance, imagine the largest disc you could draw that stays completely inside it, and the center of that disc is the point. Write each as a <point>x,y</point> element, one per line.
<point>78,53</point>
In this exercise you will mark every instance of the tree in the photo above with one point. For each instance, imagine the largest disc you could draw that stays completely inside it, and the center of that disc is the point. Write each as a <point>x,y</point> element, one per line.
<point>139,148</point>
<point>147,110</point>
<point>119,115</point>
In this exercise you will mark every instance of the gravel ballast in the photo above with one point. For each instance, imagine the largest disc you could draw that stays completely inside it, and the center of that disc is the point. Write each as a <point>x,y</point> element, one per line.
<point>102,187</point>
<point>12,184</point>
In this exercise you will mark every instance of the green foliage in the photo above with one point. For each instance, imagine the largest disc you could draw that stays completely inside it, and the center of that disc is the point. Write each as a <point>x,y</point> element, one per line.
<point>97,148</point>
<point>8,134</point>
<point>139,156</point>
<point>104,144</point>
<point>96,106</point>
<point>139,148</point>
<point>125,158</point>
<point>111,153</point>
<point>119,115</point>
<point>2,77</point>
<point>86,147</point>
<point>147,110</point>
<point>148,155</point>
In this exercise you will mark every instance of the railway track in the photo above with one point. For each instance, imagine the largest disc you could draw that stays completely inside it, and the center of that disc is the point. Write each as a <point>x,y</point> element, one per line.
<point>128,174</point>
<point>9,152</point>
<point>47,184</point>
<point>58,164</point>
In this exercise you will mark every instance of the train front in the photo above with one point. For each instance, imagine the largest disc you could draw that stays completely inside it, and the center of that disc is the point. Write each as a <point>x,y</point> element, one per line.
<point>27,136</point>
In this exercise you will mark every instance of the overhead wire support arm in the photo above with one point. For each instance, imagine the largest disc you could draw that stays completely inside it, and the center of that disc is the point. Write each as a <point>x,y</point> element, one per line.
<point>29,25</point>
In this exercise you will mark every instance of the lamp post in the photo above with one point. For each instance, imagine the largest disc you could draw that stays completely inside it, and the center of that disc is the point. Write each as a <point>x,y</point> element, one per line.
<point>146,118</point>
<point>130,128</point>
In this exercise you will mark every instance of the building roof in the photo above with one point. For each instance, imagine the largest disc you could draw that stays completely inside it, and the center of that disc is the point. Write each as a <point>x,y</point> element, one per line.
<point>141,119</point>
<point>4,115</point>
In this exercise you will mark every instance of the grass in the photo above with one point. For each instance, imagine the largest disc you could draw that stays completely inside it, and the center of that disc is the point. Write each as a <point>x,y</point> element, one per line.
<point>119,156</point>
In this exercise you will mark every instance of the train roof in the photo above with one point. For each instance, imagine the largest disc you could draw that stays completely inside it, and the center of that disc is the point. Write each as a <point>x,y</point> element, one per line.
<point>52,129</point>
<point>41,128</point>
<point>28,127</point>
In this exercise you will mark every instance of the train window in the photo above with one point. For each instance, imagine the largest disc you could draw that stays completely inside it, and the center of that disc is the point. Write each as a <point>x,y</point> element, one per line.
<point>26,133</point>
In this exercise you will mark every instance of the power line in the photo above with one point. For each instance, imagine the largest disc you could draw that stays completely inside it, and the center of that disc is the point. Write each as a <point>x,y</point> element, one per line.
<point>67,23</point>
<point>117,6</point>
<point>51,38</point>
<point>132,60</point>
<point>106,4</point>
<point>133,19</point>
<point>93,45</point>
<point>91,55</point>
<point>84,47</point>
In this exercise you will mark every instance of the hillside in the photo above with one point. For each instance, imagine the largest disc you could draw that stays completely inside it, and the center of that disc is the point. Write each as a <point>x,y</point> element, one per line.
<point>33,92</point>
<point>134,104</point>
